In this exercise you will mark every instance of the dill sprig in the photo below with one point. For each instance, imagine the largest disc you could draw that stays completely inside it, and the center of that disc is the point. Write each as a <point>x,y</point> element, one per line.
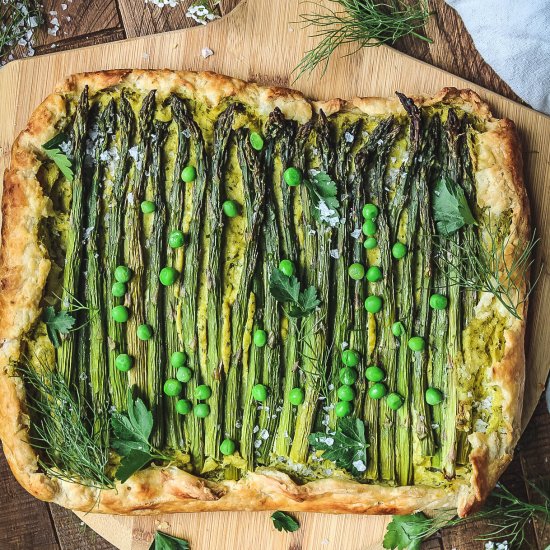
<point>490,267</point>
<point>364,23</point>
<point>18,19</point>
<point>59,429</point>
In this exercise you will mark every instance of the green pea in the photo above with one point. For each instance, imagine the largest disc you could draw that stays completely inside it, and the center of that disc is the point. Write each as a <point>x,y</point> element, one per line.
<point>203,392</point>
<point>296,396</point>
<point>438,301</point>
<point>394,401</point>
<point>168,276</point>
<point>259,392</point>
<point>287,267</point>
<point>201,410</point>
<point>148,207</point>
<point>375,374</point>
<point>350,358</point>
<point>292,176</point>
<point>369,228</point>
<point>356,271</point>
<point>184,374</point>
<point>348,376</point>
<point>118,289</point>
<point>227,447</point>
<point>189,174</point>
<point>176,239</point>
<point>172,387</point>
<point>397,329</point>
<point>178,359</point>
<point>399,250</point>
<point>370,243</point>
<point>257,141</point>
<point>230,208</point>
<point>370,211</point>
<point>374,274</point>
<point>343,408</point>
<point>377,391</point>
<point>120,314</point>
<point>373,304</point>
<point>124,362</point>
<point>144,332</point>
<point>184,406</point>
<point>260,338</point>
<point>123,274</point>
<point>416,343</point>
<point>433,396</point>
<point>346,393</point>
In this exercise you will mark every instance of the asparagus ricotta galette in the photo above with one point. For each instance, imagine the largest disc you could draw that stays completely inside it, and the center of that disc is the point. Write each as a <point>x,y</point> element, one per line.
<point>221,296</point>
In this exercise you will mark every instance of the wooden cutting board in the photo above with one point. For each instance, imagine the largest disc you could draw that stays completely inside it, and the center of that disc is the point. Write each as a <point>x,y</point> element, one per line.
<point>260,42</point>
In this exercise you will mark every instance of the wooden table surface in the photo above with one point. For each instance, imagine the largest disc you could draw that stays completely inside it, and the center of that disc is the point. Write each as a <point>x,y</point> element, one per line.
<point>28,524</point>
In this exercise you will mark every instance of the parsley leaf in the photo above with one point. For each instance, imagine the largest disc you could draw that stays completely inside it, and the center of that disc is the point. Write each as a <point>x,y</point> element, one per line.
<point>405,532</point>
<point>287,290</point>
<point>62,162</point>
<point>284,522</point>
<point>322,194</point>
<point>57,323</point>
<point>347,447</point>
<point>131,437</point>
<point>162,541</point>
<point>451,210</point>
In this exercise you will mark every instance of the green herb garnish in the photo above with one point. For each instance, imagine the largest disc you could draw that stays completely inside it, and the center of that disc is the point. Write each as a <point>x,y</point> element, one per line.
<point>162,541</point>
<point>287,290</point>
<point>362,23</point>
<point>284,522</point>
<point>54,152</point>
<point>451,210</point>
<point>18,17</point>
<point>405,532</point>
<point>57,324</point>
<point>131,438</point>
<point>346,447</point>
<point>322,194</point>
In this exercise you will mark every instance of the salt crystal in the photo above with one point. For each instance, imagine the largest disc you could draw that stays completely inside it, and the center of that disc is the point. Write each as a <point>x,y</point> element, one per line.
<point>348,136</point>
<point>359,465</point>
<point>335,253</point>
<point>206,52</point>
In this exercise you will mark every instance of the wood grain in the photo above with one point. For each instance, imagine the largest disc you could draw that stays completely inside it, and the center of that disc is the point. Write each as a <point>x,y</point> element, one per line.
<point>23,518</point>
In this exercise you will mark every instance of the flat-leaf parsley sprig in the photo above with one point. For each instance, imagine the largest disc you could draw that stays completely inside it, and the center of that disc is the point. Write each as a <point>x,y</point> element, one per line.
<point>287,290</point>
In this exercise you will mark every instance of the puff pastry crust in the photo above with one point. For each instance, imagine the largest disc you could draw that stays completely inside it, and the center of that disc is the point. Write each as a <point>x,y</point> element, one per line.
<point>24,267</point>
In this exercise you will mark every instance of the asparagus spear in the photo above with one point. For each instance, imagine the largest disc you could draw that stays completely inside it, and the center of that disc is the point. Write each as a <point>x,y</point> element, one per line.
<point>282,132</point>
<point>190,286</point>
<point>114,254</point>
<point>98,364</point>
<point>450,404</point>
<point>385,345</point>
<point>155,311</point>
<point>176,212</point>
<point>314,349</point>
<point>254,194</point>
<point>342,313</point>
<point>212,371</point>
<point>252,376</point>
<point>134,246</point>
<point>73,255</point>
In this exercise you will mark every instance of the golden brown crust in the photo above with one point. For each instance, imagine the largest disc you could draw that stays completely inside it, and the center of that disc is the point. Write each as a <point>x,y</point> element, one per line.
<point>24,267</point>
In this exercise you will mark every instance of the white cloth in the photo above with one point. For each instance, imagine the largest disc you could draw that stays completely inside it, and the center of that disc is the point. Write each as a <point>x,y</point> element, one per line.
<point>513,36</point>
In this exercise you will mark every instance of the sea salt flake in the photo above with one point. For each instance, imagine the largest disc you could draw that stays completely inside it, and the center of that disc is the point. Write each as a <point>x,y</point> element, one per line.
<point>356,233</point>
<point>335,253</point>
<point>206,52</point>
<point>348,136</point>
<point>359,465</point>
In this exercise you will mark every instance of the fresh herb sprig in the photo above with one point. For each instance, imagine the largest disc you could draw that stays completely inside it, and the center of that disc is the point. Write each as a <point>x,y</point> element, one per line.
<point>69,451</point>
<point>451,209</point>
<point>346,447</point>
<point>363,23</point>
<point>284,522</point>
<point>162,541</point>
<point>55,151</point>
<point>58,324</point>
<point>490,267</point>
<point>17,19</point>
<point>132,431</point>
<point>323,197</point>
<point>508,517</point>
<point>287,290</point>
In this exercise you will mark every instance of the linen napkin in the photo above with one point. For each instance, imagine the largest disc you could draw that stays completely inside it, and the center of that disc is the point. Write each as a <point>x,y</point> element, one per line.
<point>513,36</point>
